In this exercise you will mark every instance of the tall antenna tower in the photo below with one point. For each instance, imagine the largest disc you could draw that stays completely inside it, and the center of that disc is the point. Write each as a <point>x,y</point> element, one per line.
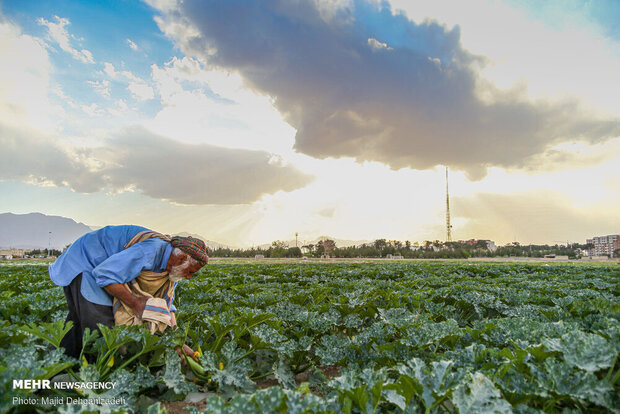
<point>448,225</point>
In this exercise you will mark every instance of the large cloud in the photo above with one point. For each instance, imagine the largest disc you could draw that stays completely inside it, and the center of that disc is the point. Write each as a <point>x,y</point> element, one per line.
<point>195,173</point>
<point>136,159</point>
<point>28,155</point>
<point>33,149</point>
<point>356,80</point>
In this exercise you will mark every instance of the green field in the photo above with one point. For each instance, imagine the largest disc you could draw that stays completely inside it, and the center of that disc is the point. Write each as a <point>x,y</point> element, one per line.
<point>342,337</point>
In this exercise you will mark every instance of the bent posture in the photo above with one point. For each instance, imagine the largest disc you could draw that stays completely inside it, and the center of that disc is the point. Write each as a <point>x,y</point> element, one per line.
<point>95,270</point>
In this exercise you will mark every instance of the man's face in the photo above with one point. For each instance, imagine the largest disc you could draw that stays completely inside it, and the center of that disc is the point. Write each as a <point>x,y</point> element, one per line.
<point>183,268</point>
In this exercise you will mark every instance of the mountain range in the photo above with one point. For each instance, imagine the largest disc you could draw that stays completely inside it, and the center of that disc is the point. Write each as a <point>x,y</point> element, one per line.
<point>37,231</point>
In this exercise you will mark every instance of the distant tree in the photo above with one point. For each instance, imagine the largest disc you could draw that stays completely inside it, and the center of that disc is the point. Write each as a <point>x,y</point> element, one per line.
<point>310,248</point>
<point>326,246</point>
<point>278,249</point>
<point>380,244</point>
<point>52,252</point>
<point>481,244</point>
<point>293,252</point>
<point>278,244</point>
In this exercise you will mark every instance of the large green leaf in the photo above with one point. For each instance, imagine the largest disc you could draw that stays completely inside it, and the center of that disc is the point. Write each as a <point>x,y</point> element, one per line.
<point>562,379</point>
<point>479,396</point>
<point>431,332</point>
<point>52,332</point>
<point>333,349</point>
<point>399,317</point>
<point>284,375</point>
<point>432,384</point>
<point>589,352</point>
<point>228,368</point>
<point>361,389</point>
<point>173,377</point>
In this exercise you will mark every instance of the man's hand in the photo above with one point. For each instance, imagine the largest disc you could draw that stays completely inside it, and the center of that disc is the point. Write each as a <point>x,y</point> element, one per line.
<point>173,320</point>
<point>120,292</point>
<point>188,351</point>
<point>140,305</point>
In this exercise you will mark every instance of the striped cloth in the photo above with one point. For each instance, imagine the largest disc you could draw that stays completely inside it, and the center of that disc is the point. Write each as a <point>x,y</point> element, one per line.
<point>144,235</point>
<point>156,286</point>
<point>196,248</point>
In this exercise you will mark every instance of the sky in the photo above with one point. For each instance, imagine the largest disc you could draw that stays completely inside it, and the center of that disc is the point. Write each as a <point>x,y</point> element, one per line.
<point>249,121</point>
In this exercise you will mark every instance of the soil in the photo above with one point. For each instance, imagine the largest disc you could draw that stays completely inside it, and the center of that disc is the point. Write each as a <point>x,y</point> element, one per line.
<point>178,407</point>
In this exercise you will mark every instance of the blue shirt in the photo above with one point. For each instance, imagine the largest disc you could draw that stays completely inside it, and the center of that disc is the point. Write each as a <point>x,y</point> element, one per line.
<point>102,260</point>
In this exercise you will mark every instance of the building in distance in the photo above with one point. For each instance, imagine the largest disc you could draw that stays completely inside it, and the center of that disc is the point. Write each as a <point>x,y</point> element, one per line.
<point>11,254</point>
<point>604,245</point>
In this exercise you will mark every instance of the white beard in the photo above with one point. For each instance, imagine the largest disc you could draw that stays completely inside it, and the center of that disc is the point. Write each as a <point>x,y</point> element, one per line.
<point>174,278</point>
<point>177,273</point>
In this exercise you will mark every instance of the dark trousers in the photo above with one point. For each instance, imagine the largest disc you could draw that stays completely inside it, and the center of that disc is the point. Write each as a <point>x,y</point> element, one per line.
<point>83,314</point>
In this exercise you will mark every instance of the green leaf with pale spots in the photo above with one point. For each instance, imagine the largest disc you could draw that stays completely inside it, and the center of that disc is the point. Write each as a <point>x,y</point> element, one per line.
<point>431,383</point>
<point>173,377</point>
<point>52,332</point>
<point>561,378</point>
<point>480,396</point>
<point>589,352</point>
<point>284,375</point>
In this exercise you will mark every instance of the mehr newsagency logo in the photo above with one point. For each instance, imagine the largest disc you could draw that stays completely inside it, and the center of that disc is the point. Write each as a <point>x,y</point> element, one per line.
<point>30,384</point>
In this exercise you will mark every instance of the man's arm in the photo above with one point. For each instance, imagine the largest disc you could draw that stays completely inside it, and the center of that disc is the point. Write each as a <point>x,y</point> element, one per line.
<point>119,291</point>
<point>124,266</point>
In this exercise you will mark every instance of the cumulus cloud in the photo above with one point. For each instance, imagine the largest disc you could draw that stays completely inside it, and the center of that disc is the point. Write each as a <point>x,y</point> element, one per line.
<point>59,34</point>
<point>102,87</point>
<point>138,87</point>
<point>206,106</point>
<point>132,44</point>
<point>194,174</point>
<point>357,80</point>
<point>24,82</point>
<point>141,91</point>
<point>138,160</point>
<point>34,151</point>
<point>111,71</point>
<point>574,156</point>
<point>31,156</point>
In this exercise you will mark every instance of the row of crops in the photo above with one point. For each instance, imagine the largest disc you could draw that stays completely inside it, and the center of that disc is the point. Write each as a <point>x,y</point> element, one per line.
<point>366,337</point>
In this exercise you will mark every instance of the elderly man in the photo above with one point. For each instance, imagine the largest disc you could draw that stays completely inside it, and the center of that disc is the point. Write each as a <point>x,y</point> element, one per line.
<point>102,267</point>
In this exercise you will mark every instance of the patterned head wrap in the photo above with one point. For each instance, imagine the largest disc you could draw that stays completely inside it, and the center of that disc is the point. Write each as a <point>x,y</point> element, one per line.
<point>196,248</point>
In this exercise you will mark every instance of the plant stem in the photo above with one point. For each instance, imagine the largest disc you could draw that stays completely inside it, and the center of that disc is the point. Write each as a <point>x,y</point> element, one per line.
<point>262,376</point>
<point>247,354</point>
<point>130,360</point>
<point>611,369</point>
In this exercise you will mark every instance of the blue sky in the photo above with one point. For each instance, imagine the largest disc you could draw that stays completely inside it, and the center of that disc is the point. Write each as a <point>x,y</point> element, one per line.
<point>603,15</point>
<point>104,28</point>
<point>248,121</point>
